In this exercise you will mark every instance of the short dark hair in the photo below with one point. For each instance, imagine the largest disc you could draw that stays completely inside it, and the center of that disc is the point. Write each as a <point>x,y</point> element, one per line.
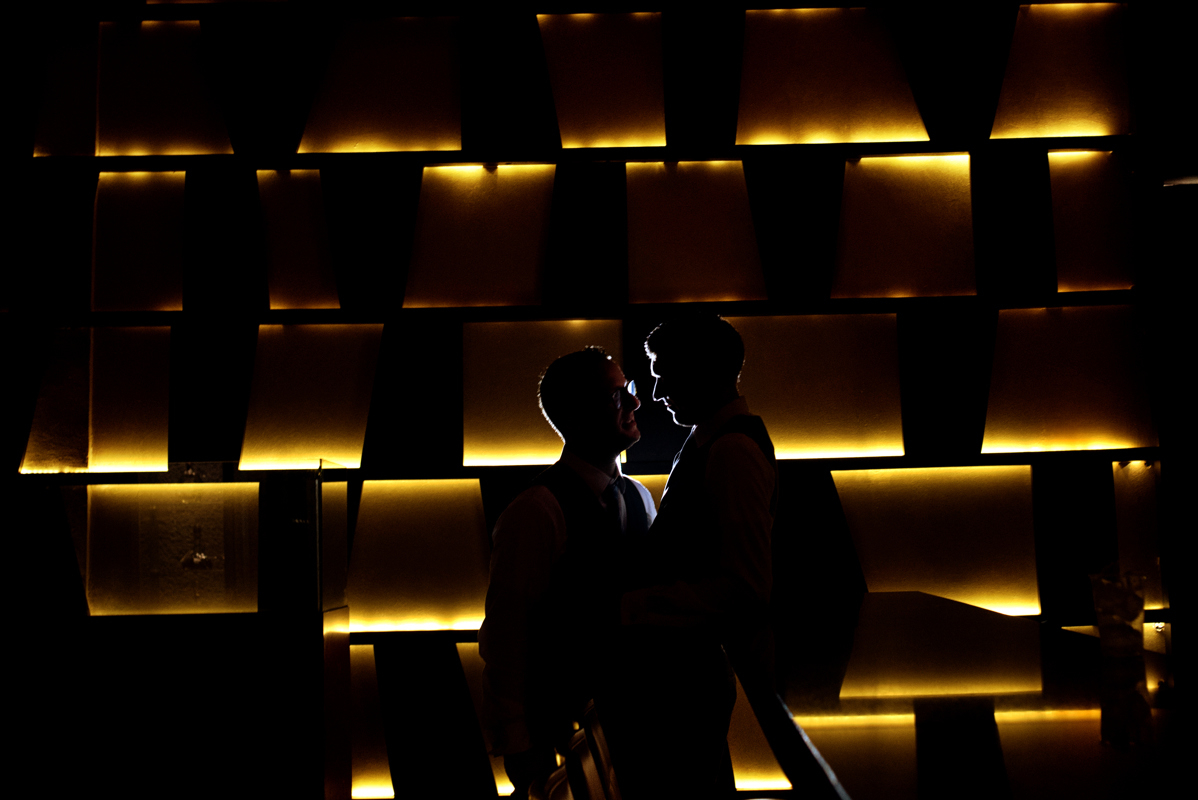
<point>706,341</point>
<point>566,382</point>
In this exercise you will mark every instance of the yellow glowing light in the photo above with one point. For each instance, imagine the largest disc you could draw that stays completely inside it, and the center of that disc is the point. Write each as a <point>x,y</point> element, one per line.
<point>372,790</point>
<point>418,624</point>
<point>789,453</point>
<point>1005,446</point>
<point>1064,74</point>
<point>914,687</point>
<point>910,159</point>
<point>1088,630</point>
<point>856,721</point>
<point>754,783</point>
<point>994,568</point>
<point>503,784</point>
<point>50,470</point>
<point>1048,715</point>
<point>315,462</point>
<point>1073,154</point>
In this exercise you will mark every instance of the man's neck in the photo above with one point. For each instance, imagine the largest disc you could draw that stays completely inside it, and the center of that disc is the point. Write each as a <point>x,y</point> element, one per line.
<point>605,463</point>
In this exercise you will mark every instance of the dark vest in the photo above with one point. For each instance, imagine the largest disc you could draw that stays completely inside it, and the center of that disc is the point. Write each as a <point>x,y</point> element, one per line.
<point>684,543</point>
<point>573,626</point>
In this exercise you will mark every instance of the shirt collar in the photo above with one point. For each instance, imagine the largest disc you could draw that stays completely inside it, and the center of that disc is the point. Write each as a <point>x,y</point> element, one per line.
<point>596,479</point>
<point>703,432</point>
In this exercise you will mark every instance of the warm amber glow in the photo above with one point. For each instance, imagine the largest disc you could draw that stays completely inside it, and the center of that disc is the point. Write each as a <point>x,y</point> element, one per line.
<point>129,422</point>
<point>856,721</point>
<point>300,273</point>
<point>656,484</point>
<point>906,227</point>
<point>1091,206</point>
<point>753,764</point>
<point>1066,73</point>
<point>172,548</point>
<point>827,386</point>
<point>502,361</point>
<point>690,234</point>
<point>908,528</point>
<point>911,644</point>
<point>310,396</point>
<point>371,769</point>
<point>151,96</point>
<point>1067,379</point>
<point>391,86</point>
<point>815,76</point>
<point>420,556</point>
<point>472,668</point>
<point>606,75</point>
<point>1048,715</point>
<point>1087,630</point>
<point>480,236</point>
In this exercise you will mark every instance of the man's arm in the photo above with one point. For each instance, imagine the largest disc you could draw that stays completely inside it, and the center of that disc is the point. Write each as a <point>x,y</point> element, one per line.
<point>528,537</point>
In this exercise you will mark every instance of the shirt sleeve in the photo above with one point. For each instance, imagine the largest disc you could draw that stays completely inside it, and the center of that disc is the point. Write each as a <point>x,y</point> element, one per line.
<point>646,499</point>
<point>529,536</point>
<point>740,480</point>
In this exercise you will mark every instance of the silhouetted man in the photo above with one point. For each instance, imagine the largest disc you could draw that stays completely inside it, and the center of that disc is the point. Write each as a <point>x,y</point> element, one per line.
<point>705,573</point>
<point>557,568</point>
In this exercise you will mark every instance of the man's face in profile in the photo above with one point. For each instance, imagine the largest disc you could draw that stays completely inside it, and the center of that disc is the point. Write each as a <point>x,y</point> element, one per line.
<point>618,417</point>
<point>682,394</point>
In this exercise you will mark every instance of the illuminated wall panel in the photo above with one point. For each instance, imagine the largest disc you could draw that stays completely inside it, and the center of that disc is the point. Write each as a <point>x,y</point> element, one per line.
<point>1136,521</point>
<point>606,75</point>
<point>502,365</point>
<point>816,75</point>
<point>1067,379</point>
<point>391,85</point>
<point>371,770</point>
<point>910,644</point>
<point>300,274</point>
<point>873,756</point>
<point>472,666</point>
<point>827,386</point>
<point>58,436</point>
<point>656,484</point>
<point>152,95</point>
<point>172,548</point>
<point>753,764</point>
<point>1090,212</point>
<point>420,556</point>
<point>310,396</point>
<point>1051,754</point>
<point>1066,74</point>
<point>137,262</point>
<point>906,228</point>
<point>480,236</point>
<point>130,388</point>
<point>690,234</point>
<point>964,533</point>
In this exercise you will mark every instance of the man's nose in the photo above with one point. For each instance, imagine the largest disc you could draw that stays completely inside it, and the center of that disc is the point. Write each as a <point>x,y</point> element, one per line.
<point>657,392</point>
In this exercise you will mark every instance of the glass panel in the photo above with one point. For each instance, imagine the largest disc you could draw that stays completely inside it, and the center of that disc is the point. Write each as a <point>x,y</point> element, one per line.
<point>186,548</point>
